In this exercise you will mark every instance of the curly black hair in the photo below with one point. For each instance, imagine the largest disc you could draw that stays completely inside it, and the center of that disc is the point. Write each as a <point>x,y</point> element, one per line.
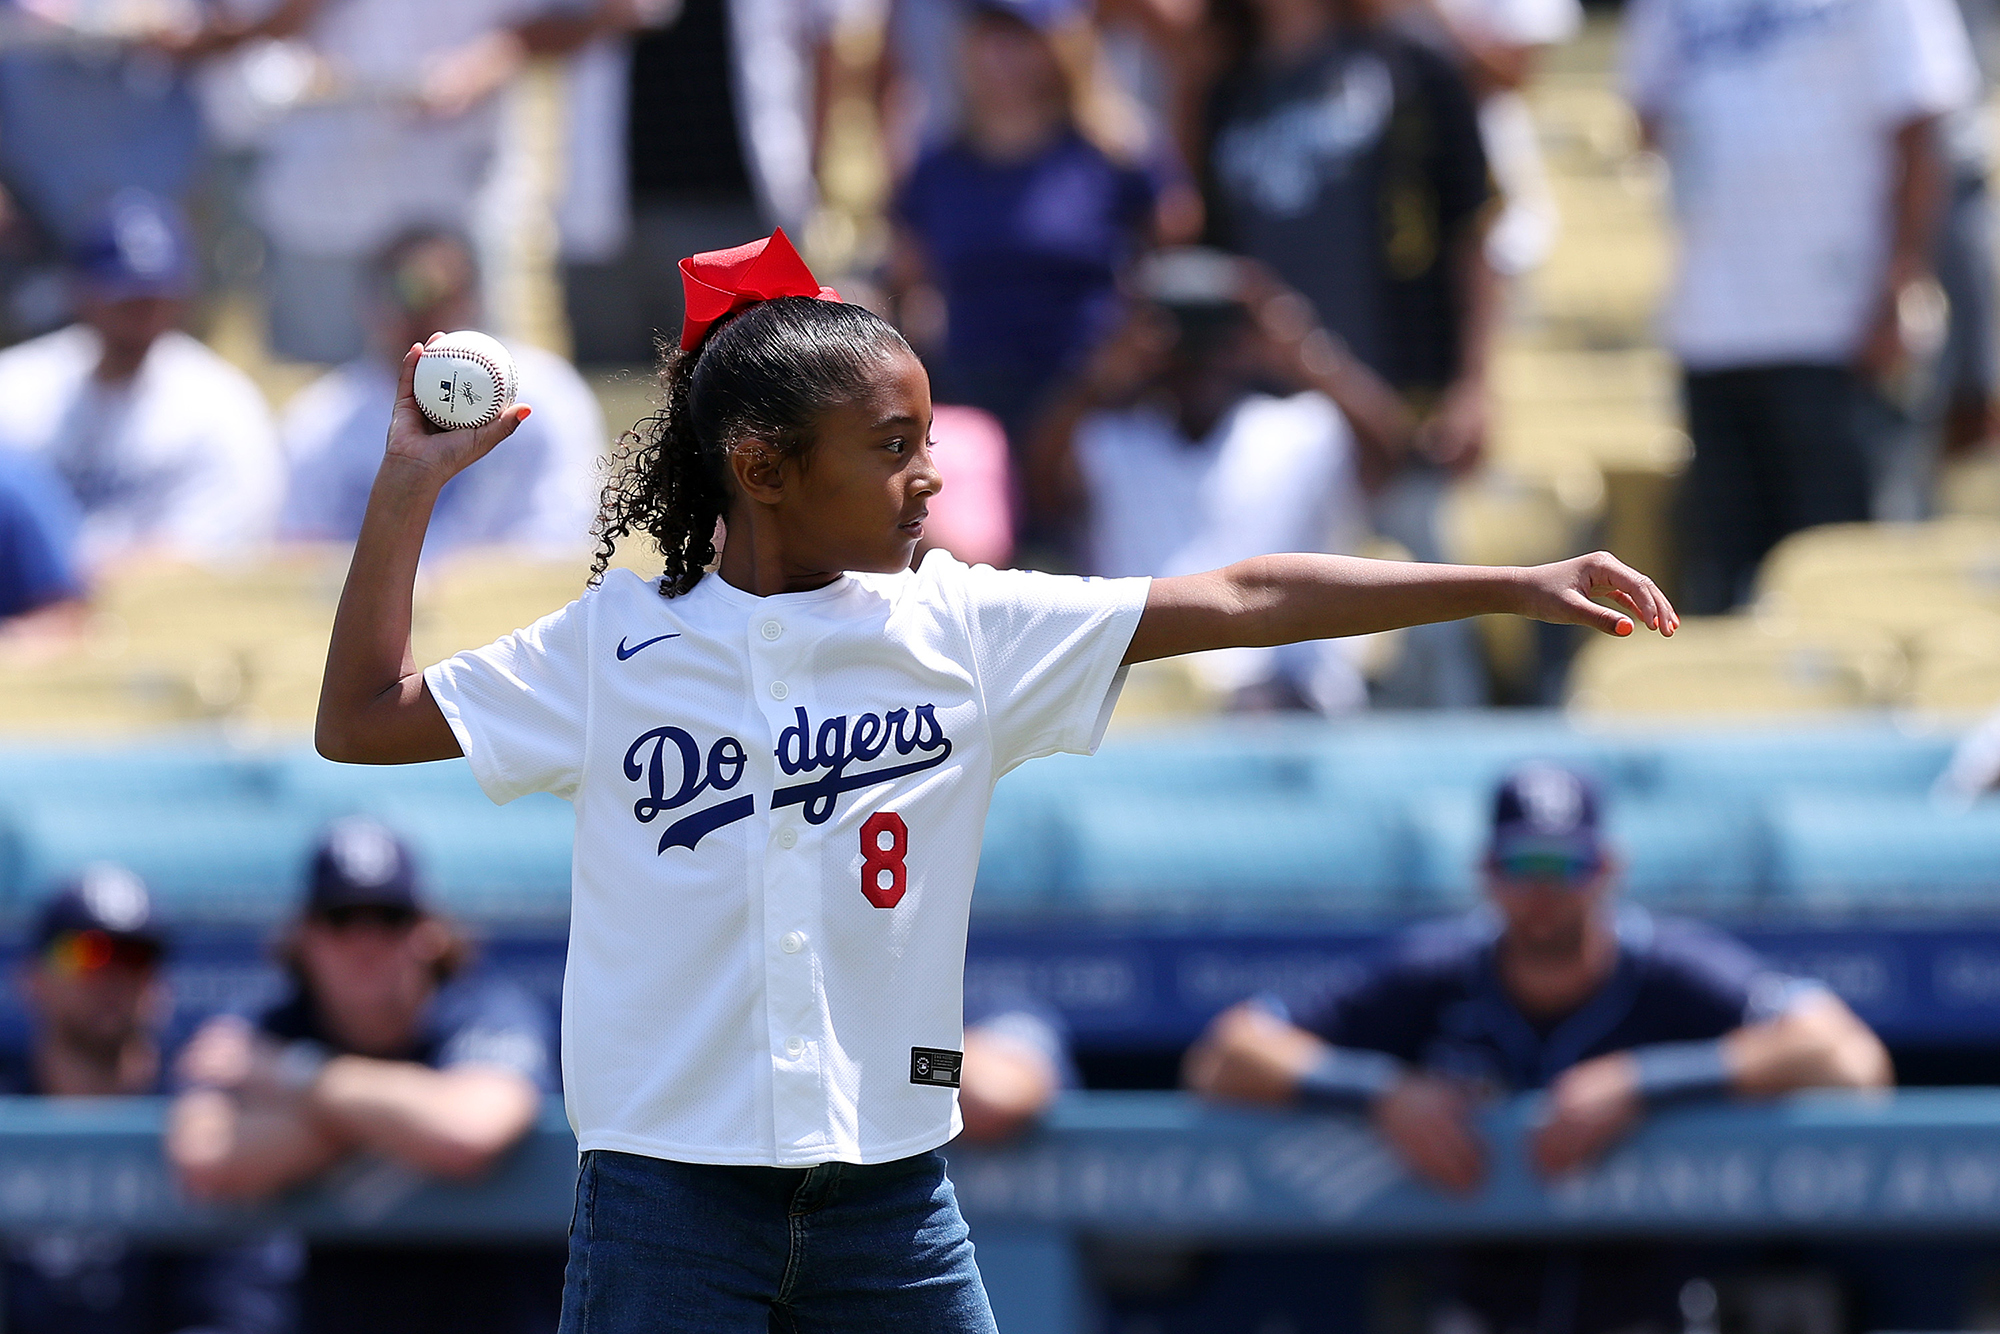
<point>766,374</point>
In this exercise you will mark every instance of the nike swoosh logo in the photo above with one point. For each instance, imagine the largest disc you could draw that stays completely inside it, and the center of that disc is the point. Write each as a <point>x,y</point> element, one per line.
<point>624,652</point>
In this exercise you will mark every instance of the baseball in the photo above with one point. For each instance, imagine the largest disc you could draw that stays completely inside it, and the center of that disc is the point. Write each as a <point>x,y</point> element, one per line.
<point>465,379</point>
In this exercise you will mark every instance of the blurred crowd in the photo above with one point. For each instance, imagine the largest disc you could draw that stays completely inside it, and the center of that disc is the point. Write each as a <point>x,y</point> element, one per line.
<point>1195,279</point>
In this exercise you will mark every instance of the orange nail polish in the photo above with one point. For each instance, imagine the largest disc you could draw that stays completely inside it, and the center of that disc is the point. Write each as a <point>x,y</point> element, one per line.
<point>1624,628</point>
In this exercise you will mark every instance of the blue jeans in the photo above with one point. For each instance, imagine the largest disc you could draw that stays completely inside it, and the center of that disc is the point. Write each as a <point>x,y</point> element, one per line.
<point>658,1247</point>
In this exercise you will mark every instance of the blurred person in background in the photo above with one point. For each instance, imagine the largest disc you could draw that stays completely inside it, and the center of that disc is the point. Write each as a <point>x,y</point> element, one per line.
<point>1017,1059</point>
<point>541,494</point>
<point>1497,44</point>
<point>1808,175</point>
<point>386,1046</point>
<point>92,101</point>
<point>1346,154</point>
<point>166,448</point>
<point>1610,1015</point>
<point>712,112</point>
<point>41,584</point>
<point>1011,233</point>
<point>95,1011</point>
<point>1205,432</point>
<point>382,116</point>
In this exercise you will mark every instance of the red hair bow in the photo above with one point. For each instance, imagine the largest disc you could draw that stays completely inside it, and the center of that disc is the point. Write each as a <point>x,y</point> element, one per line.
<point>719,283</point>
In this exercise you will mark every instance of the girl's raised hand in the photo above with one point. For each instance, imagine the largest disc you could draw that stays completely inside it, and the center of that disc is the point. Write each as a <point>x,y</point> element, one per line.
<point>1572,592</point>
<point>413,439</point>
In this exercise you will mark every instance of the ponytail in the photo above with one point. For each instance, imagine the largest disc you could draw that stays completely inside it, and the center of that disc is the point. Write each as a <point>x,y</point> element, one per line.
<point>765,375</point>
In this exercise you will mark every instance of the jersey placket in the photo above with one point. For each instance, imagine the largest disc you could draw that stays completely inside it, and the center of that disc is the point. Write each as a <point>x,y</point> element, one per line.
<point>780,656</point>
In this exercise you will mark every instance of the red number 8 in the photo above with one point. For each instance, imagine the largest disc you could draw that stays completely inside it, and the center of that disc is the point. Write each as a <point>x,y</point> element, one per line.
<point>875,859</point>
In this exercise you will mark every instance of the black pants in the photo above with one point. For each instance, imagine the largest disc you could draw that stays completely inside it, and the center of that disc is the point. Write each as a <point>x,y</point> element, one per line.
<point>1776,449</point>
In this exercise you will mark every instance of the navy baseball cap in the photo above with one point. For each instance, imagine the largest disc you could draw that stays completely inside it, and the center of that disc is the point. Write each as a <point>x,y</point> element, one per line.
<point>103,897</point>
<point>1546,825</point>
<point>137,246</point>
<point>360,863</point>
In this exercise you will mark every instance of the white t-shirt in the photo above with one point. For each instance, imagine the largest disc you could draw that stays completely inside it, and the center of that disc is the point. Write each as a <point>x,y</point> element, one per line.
<point>747,982</point>
<point>182,458</point>
<point>1275,474</point>
<point>1777,119</point>
<point>538,489</point>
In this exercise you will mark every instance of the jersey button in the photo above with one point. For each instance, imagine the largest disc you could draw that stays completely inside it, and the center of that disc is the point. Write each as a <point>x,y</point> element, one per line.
<point>791,942</point>
<point>795,1046</point>
<point>771,630</point>
<point>788,838</point>
<point>779,690</point>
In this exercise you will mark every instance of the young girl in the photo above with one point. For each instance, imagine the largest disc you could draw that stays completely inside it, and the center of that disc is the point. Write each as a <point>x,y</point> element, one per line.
<point>781,770</point>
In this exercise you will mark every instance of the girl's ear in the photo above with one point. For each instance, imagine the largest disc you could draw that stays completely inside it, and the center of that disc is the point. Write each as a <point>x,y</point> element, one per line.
<point>758,471</point>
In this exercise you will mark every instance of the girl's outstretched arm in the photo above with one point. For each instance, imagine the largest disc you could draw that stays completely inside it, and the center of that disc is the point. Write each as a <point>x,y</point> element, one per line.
<point>374,707</point>
<point>1285,599</point>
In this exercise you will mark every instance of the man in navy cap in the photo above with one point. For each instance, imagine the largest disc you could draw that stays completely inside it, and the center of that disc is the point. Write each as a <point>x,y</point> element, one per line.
<point>95,1004</point>
<point>165,446</point>
<point>388,1044</point>
<point>1607,1012</point>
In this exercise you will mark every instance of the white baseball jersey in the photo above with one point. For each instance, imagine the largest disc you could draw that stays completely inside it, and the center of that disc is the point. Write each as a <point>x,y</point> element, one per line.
<point>779,804</point>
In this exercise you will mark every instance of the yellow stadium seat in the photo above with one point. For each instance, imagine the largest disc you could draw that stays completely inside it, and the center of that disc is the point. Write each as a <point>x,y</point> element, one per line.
<point>1736,665</point>
<point>1955,669</point>
<point>75,691</point>
<point>481,595</point>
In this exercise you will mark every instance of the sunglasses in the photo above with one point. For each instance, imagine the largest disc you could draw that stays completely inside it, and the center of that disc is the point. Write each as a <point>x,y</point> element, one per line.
<point>379,916</point>
<point>79,952</point>
<point>1571,872</point>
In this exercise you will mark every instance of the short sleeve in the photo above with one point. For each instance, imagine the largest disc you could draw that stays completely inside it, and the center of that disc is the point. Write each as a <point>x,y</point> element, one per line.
<point>1646,55</point>
<point>1391,1012</point>
<point>518,705</point>
<point>1927,67</point>
<point>1703,984</point>
<point>1049,650</point>
<point>499,1026</point>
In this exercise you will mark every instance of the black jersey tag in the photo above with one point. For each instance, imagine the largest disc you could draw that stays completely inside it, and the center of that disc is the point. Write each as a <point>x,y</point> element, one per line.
<point>934,1065</point>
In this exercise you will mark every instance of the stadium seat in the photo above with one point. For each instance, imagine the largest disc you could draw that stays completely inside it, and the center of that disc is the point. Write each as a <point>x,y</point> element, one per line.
<point>206,860</point>
<point>481,595</point>
<point>103,773</point>
<point>303,778</point>
<point>86,693</point>
<point>1737,666</point>
<point>1019,854</point>
<point>1748,763</point>
<point>1241,755</point>
<point>1229,856</point>
<point>1961,549</point>
<point>493,864</point>
<point>1469,752</point>
<point>1843,854</point>
<point>1955,668</point>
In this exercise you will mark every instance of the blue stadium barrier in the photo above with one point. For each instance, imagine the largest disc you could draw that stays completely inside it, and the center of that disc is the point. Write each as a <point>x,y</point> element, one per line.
<point>1921,1165</point>
<point>1846,853</point>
